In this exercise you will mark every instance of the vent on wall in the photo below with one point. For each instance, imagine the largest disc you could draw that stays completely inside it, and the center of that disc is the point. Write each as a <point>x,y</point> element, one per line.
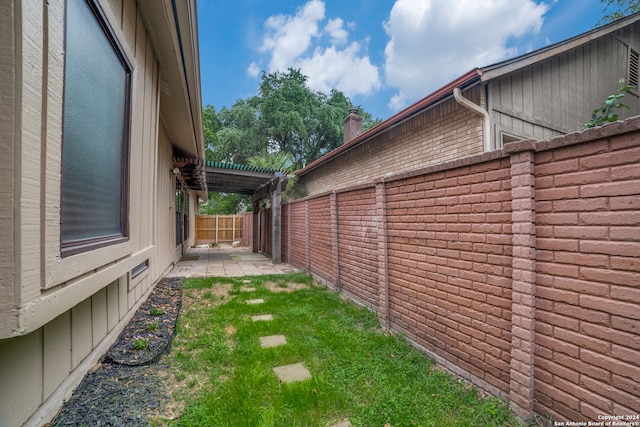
<point>634,60</point>
<point>140,268</point>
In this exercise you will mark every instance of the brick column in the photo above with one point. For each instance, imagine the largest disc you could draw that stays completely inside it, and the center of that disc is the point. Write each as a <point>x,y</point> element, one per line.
<point>335,239</point>
<point>383,254</point>
<point>308,234</point>
<point>523,279</point>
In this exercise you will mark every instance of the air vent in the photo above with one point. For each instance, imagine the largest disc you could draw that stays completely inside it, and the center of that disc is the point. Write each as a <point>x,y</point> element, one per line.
<point>140,268</point>
<point>634,60</point>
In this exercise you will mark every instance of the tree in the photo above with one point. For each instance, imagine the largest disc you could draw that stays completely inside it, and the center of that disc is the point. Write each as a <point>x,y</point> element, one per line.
<point>278,161</point>
<point>224,204</point>
<point>238,135</point>
<point>286,116</point>
<point>305,123</point>
<point>617,9</point>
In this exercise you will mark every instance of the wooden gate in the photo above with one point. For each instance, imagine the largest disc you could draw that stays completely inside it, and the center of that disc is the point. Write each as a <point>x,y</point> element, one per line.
<point>218,228</point>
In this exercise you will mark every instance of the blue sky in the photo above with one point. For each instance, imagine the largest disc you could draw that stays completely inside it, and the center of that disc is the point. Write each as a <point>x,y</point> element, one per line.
<point>384,55</point>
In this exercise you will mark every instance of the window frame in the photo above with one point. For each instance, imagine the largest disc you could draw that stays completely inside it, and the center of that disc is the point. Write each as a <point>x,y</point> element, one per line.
<point>73,247</point>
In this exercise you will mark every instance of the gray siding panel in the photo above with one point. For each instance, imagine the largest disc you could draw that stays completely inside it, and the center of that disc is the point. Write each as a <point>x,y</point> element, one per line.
<point>559,94</point>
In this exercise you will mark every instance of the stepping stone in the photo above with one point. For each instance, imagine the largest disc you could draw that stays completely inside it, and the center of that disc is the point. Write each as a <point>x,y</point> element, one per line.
<point>254,301</point>
<point>246,281</point>
<point>262,317</point>
<point>292,373</point>
<point>272,341</point>
<point>345,423</point>
<point>247,289</point>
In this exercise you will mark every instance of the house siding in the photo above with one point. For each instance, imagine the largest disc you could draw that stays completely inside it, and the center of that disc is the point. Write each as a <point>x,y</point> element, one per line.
<point>557,95</point>
<point>59,315</point>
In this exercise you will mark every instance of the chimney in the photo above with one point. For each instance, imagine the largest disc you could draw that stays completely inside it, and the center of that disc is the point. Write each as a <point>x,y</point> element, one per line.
<point>352,125</point>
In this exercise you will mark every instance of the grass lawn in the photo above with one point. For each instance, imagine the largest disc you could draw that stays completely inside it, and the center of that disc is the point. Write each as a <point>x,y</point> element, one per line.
<point>222,376</point>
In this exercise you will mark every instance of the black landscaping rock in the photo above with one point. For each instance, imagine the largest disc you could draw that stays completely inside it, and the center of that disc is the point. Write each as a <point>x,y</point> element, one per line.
<point>124,388</point>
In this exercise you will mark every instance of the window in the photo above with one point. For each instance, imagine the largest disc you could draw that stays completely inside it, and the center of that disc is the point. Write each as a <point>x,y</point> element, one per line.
<point>95,132</point>
<point>506,138</point>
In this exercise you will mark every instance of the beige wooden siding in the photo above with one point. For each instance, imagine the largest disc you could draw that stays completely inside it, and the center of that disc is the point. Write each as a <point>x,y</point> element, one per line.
<point>165,232</point>
<point>8,315</point>
<point>77,305</point>
<point>557,95</point>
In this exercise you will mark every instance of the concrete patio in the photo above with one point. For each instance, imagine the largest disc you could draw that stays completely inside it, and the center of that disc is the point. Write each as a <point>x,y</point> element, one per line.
<point>225,260</point>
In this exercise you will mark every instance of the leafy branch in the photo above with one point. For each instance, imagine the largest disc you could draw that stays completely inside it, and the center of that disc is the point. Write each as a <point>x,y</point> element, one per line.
<point>607,113</point>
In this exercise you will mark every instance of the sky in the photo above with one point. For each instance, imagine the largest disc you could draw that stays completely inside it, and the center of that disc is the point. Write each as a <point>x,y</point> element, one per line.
<point>383,54</point>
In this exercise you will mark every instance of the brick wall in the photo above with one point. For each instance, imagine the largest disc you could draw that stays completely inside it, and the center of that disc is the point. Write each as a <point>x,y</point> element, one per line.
<point>358,245</point>
<point>322,243</point>
<point>449,239</point>
<point>445,132</point>
<point>517,269</point>
<point>588,278</point>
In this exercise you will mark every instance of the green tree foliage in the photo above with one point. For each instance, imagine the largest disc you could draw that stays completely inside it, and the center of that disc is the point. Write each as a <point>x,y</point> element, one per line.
<point>616,9</point>
<point>286,116</point>
<point>238,135</point>
<point>224,204</point>
<point>279,161</point>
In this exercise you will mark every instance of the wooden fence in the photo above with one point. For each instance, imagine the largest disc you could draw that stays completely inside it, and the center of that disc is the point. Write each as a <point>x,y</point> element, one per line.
<point>218,228</point>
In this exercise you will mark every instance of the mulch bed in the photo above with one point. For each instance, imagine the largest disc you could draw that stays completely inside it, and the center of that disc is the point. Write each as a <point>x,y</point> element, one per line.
<point>125,387</point>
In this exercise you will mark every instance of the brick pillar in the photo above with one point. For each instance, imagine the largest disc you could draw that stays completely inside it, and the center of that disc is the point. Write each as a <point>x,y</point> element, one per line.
<point>523,281</point>
<point>289,243</point>
<point>383,254</point>
<point>308,234</point>
<point>335,239</point>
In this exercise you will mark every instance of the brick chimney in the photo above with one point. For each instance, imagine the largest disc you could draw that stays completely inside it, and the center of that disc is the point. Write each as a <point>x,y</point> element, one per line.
<point>352,125</point>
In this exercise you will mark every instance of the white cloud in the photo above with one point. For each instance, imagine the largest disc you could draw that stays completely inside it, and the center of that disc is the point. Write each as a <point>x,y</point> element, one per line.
<point>291,36</point>
<point>296,41</point>
<point>431,42</point>
<point>335,29</point>
<point>341,69</point>
<point>253,70</point>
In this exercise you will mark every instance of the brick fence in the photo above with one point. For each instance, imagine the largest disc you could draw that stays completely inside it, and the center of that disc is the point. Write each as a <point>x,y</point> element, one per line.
<point>518,270</point>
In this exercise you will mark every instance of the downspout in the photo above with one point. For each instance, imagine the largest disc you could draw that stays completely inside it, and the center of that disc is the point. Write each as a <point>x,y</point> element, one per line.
<point>486,122</point>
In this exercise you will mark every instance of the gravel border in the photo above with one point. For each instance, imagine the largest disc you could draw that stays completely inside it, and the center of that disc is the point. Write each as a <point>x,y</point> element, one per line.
<point>126,386</point>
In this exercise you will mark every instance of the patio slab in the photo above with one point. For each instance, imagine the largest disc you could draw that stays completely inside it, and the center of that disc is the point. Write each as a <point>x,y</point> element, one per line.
<point>272,341</point>
<point>225,260</point>
<point>292,373</point>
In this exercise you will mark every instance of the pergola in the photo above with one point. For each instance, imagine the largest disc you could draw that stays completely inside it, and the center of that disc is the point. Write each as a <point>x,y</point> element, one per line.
<point>259,183</point>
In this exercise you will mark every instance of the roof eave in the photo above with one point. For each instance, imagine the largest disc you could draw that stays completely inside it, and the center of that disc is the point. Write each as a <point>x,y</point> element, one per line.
<point>505,67</point>
<point>173,31</point>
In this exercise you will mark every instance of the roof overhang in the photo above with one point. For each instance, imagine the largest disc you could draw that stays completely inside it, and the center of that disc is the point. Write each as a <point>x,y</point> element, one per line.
<point>173,30</point>
<point>505,67</point>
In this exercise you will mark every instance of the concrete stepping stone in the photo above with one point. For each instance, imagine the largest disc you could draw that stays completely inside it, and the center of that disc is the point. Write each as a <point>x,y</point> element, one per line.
<point>292,373</point>
<point>345,423</point>
<point>272,341</point>
<point>247,289</point>
<point>262,317</point>
<point>254,301</point>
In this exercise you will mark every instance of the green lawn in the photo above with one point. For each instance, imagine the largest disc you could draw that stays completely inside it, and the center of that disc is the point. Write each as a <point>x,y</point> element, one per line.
<point>223,377</point>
